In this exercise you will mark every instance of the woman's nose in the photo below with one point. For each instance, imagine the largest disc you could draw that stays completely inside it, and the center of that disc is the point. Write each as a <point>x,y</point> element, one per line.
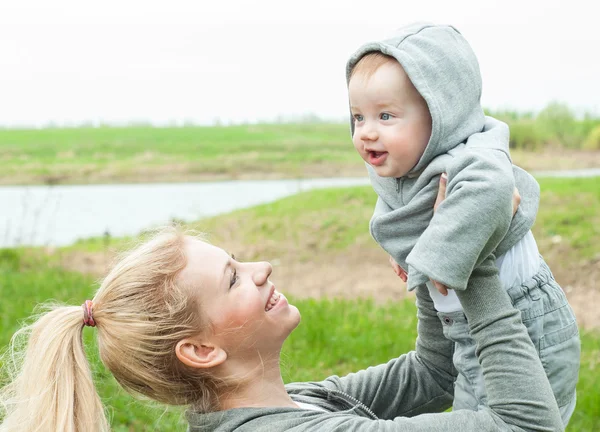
<point>262,273</point>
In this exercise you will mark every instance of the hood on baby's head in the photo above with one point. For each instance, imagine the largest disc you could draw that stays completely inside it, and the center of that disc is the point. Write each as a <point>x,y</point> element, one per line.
<point>445,71</point>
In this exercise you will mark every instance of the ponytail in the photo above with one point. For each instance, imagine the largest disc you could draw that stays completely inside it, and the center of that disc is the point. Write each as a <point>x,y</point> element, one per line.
<point>141,310</point>
<point>50,387</point>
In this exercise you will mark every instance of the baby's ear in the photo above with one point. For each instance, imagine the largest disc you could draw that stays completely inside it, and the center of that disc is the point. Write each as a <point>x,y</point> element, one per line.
<point>201,355</point>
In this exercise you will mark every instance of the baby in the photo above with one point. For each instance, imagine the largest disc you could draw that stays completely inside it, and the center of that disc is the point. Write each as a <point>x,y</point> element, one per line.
<point>416,113</point>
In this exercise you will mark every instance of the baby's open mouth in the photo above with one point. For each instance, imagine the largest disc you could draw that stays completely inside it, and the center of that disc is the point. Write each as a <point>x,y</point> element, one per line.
<point>377,158</point>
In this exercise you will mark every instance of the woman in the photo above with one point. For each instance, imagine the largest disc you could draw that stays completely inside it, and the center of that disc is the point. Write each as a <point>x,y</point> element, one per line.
<point>182,322</point>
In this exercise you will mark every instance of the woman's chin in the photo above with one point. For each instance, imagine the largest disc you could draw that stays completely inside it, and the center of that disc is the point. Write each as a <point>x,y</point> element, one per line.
<point>292,320</point>
<point>296,315</point>
<point>287,315</point>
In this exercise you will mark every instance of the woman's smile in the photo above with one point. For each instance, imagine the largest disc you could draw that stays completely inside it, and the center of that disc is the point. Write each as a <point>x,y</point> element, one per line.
<point>276,302</point>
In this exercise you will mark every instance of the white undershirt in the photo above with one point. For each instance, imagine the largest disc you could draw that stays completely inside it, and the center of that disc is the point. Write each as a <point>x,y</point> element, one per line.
<point>309,406</point>
<point>517,265</point>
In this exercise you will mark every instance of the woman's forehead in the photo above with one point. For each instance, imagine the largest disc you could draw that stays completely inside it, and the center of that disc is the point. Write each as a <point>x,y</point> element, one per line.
<point>205,262</point>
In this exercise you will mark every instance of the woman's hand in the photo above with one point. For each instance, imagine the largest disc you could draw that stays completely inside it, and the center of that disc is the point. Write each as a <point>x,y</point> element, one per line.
<point>441,195</point>
<point>398,270</point>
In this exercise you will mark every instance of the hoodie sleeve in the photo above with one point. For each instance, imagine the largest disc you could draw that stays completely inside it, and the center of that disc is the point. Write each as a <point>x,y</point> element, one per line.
<point>470,223</point>
<point>421,381</point>
<point>519,395</point>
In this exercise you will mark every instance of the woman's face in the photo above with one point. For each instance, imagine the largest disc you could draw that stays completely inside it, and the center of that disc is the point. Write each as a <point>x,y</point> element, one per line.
<point>245,310</point>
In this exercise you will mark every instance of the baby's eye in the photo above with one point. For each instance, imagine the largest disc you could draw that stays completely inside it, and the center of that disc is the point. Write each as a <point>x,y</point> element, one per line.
<point>358,117</point>
<point>384,116</point>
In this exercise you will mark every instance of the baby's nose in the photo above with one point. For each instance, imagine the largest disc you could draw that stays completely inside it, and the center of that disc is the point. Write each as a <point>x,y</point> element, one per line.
<point>369,133</point>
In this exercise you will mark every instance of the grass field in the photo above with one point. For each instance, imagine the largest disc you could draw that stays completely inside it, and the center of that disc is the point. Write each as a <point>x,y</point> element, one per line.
<point>355,334</point>
<point>147,154</point>
<point>570,214</point>
<point>313,226</point>
<point>129,154</point>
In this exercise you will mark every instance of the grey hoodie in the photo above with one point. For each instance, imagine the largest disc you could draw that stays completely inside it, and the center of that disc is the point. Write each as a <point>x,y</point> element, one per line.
<point>398,395</point>
<point>476,217</point>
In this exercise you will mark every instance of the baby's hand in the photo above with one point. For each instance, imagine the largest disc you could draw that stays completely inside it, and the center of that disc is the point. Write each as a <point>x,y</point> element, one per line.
<point>398,270</point>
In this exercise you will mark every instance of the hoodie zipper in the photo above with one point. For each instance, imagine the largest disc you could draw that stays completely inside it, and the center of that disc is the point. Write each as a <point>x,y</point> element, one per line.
<point>400,189</point>
<point>354,401</point>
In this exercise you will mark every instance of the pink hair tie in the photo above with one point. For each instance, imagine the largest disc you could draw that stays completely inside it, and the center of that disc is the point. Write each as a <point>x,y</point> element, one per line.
<point>88,318</point>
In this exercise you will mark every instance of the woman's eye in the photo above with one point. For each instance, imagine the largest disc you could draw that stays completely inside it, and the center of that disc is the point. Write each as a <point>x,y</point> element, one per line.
<point>234,279</point>
<point>384,116</point>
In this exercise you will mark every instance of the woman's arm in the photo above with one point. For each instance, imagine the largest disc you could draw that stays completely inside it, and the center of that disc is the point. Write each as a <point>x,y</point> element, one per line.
<point>519,395</point>
<point>414,383</point>
<point>469,224</point>
<point>518,391</point>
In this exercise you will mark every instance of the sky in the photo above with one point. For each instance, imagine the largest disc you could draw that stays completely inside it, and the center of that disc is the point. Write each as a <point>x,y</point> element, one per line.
<point>68,62</point>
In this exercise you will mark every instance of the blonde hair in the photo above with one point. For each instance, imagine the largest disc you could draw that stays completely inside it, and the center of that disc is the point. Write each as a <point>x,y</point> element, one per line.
<point>141,311</point>
<point>369,63</point>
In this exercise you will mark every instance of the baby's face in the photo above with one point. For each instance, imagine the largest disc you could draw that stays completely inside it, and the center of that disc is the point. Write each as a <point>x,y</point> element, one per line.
<point>392,124</point>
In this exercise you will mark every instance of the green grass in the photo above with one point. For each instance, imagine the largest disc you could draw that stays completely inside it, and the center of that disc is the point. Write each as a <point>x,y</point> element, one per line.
<point>570,209</point>
<point>587,414</point>
<point>274,143</point>
<point>108,154</point>
<point>354,335</point>
<point>315,221</point>
<point>151,154</point>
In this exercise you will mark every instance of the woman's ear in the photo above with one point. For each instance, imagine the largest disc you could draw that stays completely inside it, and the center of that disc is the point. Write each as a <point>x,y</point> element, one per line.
<point>198,354</point>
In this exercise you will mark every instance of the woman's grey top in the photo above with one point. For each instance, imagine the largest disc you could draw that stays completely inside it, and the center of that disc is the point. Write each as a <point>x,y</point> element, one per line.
<point>410,392</point>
